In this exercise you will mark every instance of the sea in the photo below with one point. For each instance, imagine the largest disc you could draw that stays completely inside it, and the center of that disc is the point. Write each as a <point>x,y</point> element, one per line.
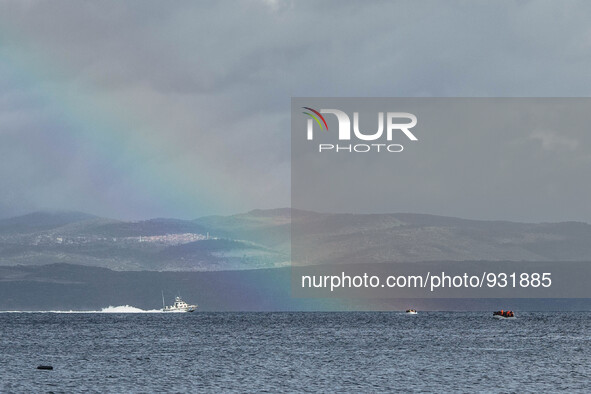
<point>127,350</point>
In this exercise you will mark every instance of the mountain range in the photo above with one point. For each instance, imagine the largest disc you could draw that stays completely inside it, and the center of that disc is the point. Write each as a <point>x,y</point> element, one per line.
<point>73,260</point>
<point>263,239</point>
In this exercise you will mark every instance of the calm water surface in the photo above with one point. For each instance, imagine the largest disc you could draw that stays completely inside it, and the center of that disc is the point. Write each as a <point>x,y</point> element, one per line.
<point>353,352</point>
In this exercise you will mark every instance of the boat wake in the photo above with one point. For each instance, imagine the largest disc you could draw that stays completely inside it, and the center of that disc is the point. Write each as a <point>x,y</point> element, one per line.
<point>127,309</point>
<point>109,309</point>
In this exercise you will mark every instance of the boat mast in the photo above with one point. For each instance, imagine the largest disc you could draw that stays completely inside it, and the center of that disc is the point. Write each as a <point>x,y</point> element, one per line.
<point>163,306</point>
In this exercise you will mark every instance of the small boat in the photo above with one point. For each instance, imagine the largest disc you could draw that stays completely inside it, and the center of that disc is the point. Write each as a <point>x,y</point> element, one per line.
<point>411,311</point>
<point>178,306</point>
<point>504,314</point>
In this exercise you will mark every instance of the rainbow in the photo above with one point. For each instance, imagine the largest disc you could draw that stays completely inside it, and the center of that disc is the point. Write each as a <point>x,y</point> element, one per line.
<point>114,141</point>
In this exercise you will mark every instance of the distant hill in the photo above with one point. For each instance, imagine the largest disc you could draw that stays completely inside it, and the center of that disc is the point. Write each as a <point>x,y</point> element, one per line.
<point>402,237</point>
<point>40,221</point>
<point>263,239</point>
<point>412,237</point>
<point>271,228</point>
<point>156,244</point>
<point>147,227</point>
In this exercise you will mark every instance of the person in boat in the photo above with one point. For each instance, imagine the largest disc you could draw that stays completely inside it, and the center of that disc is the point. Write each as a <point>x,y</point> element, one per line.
<point>504,313</point>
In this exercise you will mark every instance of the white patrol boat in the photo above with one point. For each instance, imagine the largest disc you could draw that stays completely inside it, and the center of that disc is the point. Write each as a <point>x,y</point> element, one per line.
<point>178,306</point>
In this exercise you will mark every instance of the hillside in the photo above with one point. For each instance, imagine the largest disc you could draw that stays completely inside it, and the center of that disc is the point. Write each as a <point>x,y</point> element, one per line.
<point>262,239</point>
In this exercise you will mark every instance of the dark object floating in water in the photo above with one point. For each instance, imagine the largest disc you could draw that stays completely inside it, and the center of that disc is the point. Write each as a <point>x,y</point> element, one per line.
<point>503,313</point>
<point>46,367</point>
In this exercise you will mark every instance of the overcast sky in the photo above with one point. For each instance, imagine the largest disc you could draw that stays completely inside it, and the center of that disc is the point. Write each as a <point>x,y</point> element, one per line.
<point>138,109</point>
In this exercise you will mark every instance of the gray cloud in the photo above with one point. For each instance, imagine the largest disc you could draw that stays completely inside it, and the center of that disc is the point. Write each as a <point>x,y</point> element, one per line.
<point>475,158</point>
<point>216,79</point>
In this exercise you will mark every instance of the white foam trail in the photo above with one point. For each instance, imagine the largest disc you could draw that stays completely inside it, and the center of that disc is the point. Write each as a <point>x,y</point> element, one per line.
<point>109,309</point>
<point>127,309</point>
